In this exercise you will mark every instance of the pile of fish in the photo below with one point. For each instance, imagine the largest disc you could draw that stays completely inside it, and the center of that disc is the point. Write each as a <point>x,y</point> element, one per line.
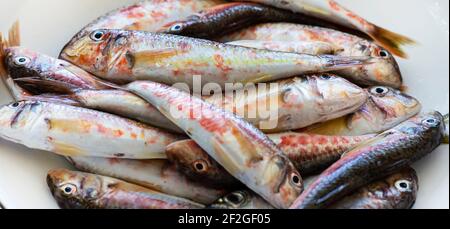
<point>107,105</point>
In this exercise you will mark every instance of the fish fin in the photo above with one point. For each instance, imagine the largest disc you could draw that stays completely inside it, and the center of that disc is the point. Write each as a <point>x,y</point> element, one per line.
<point>393,42</point>
<point>364,144</point>
<point>387,39</point>
<point>342,62</point>
<point>13,40</point>
<point>50,98</point>
<point>145,58</point>
<point>14,35</point>
<point>46,85</point>
<point>446,120</point>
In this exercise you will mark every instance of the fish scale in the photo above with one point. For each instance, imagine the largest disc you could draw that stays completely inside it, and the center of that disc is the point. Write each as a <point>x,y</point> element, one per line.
<point>173,59</point>
<point>74,131</point>
<point>385,154</point>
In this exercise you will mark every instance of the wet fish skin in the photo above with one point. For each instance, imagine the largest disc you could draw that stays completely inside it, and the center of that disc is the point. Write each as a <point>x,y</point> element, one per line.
<point>38,66</point>
<point>299,102</point>
<point>387,153</point>
<point>311,48</point>
<point>148,15</point>
<point>124,104</point>
<point>385,109</point>
<point>397,191</point>
<point>309,153</point>
<point>383,71</point>
<point>42,74</point>
<point>126,56</point>
<point>75,131</point>
<point>77,190</point>
<point>158,175</point>
<point>243,150</point>
<point>241,200</point>
<point>312,154</point>
<point>332,11</point>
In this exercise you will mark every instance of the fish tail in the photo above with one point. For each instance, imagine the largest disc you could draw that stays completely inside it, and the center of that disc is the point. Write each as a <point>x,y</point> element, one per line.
<point>341,62</point>
<point>391,41</point>
<point>13,40</point>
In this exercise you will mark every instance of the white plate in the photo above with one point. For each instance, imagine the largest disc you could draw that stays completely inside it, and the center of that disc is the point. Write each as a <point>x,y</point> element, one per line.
<point>48,24</point>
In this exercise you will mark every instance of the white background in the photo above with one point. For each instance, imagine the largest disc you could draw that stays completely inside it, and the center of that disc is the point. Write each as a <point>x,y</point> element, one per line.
<point>48,24</point>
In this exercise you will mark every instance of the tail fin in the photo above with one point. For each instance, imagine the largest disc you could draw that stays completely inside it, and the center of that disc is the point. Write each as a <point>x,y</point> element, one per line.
<point>391,41</point>
<point>13,40</point>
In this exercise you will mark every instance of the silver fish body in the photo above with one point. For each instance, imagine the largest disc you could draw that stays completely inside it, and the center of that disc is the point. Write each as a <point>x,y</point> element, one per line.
<point>74,131</point>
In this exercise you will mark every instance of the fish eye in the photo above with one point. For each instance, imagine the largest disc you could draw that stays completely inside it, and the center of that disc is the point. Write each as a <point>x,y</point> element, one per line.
<point>235,198</point>
<point>21,60</point>
<point>98,35</point>
<point>69,189</point>
<point>325,77</point>
<point>383,53</point>
<point>200,166</point>
<point>380,91</point>
<point>15,105</point>
<point>296,180</point>
<point>176,27</point>
<point>431,122</point>
<point>403,185</point>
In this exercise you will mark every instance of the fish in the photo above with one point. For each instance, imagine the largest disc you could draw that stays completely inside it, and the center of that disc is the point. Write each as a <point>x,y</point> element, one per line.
<point>282,106</point>
<point>158,175</point>
<point>116,102</point>
<point>381,156</point>
<point>311,48</point>
<point>42,77</point>
<point>382,71</point>
<point>78,190</point>
<point>397,191</point>
<point>311,154</point>
<point>332,11</point>
<point>244,151</point>
<point>229,17</point>
<point>293,103</point>
<point>75,131</point>
<point>385,109</point>
<point>243,199</point>
<point>148,16</point>
<point>123,57</point>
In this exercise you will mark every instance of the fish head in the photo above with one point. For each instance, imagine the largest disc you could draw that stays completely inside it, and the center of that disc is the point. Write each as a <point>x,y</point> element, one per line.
<point>16,117</point>
<point>40,73</point>
<point>99,51</point>
<point>74,190</point>
<point>430,126</point>
<point>190,158</point>
<point>392,105</point>
<point>337,96</point>
<point>384,69</point>
<point>241,200</point>
<point>284,180</point>
<point>403,187</point>
<point>21,62</point>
